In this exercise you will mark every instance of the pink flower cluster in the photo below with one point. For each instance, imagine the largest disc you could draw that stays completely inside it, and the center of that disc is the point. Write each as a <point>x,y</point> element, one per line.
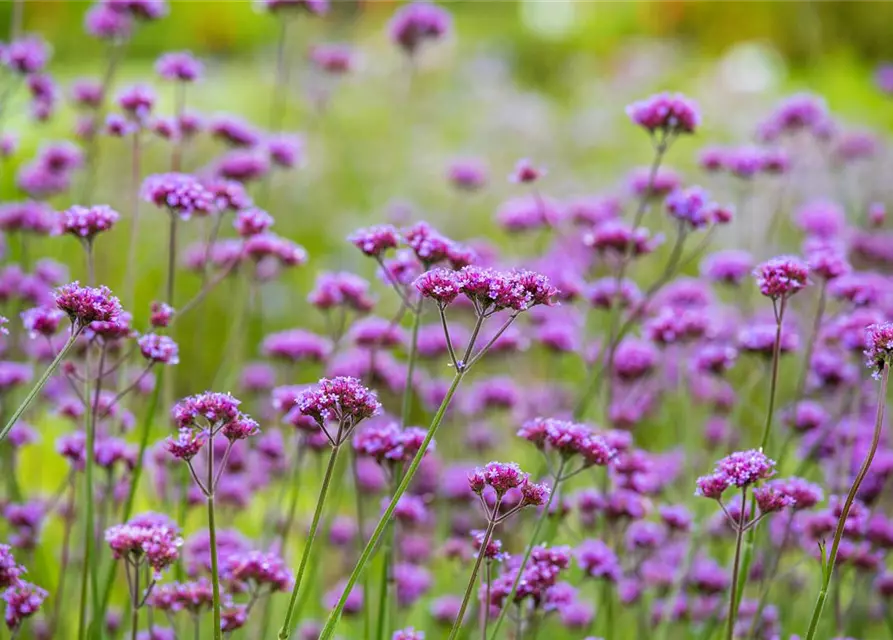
<point>668,113</point>
<point>84,305</point>
<point>488,289</point>
<point>148,537</point>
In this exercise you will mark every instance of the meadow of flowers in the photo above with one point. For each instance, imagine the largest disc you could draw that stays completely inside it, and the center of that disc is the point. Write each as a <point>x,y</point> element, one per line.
<point>650,411</point>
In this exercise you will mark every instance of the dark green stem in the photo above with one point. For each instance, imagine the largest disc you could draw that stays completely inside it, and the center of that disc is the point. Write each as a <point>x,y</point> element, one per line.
<point>335,615</point>
<point>828,566</point>
<point>285,630</point>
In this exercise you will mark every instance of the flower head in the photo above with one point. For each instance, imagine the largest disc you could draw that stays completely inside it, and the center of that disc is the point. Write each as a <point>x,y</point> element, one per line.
<point>879,351</point>
<point>781,277</point>
<point>181,66</point>
<point>22,601</point>
<point>178,192</point>
<point>374,241</point>
<point>87,304</point>
<point>341,399</point>
<point>418,22</point>
<point>667,113</point>
<point>86,222</point>
<point>158,348</point>
<point>148,537</point>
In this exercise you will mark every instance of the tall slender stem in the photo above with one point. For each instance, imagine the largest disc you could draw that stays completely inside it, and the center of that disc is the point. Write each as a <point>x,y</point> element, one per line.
<point>485,608</point>
<point>66,556</point>
<point>285,630</point>
<point>773,384</point>
<point>335,615</point>
<point>733,597</point>
<point>212,538</point>
<point>135,603</point>
<point>472,580</point>
<point>406,409</point>
<point>544,515</point>
<point>75,332</point>
<point>130,276</point>
<point>171,258</point>
<point>88,496</point>
<point>848,504</point>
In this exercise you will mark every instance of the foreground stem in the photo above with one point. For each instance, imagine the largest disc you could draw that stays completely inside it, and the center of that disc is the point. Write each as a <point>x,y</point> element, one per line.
<point>332,621</point>
<point>285,630</point>
<point>828,567</point>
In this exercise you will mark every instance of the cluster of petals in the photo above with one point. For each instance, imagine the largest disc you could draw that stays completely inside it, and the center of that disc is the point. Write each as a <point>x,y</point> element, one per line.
<point>418,22</point>
<point>148,536</point>
<point>668,113</point>
<point>84,305</point>
<point>781,277</point>
<point>739,469</point>
<point>569,439</point>
<point>502,477</point>
<point>490,290</point>
<point>341,399</point>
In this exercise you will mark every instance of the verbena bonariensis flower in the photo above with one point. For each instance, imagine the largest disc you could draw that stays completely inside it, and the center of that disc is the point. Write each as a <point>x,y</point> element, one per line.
<point>145,10</point>
<point>26,55</point>
<point>373,331</point>
<point>467,174</point>
<point>333,58</point>
<point>342,289</point>
<point>23,600</point>
<point>798,112</point>
<point>604,293</point>
<point>84,305</point>
<point>489,290</point>
<point>386,442</point>
<point>137,101</point>
<point>528,213</point>
<point>740,469</point>
<point>408,633</point>
<point>821,219</point>
<point>86,222</point>
<point>148,537</point>
<point>343,400</point>
<point>502,477</point>
<point>781,277</point>
<point>181,66</point>
<point>415,23</point>
<point>215,409</point>
<point>616,238</point>
<point>193,597</point>
<point>374,241</point>
<point>228,194</point>
<point>879,349</point>
<point>296,345</point>
<point>431,247</point>
<point>256,570</point>
<point>234,131</point>
<point>159,349</point>
<point>569,440</point>
<point>10,570</point>
<point>665,113</point>
<point>43,321</point>
<point>180,193</point>
<point>252,221</point>
<point>690,206</point>
<point>160,314</point>
<point>526,173</point>
<point>29,216</point>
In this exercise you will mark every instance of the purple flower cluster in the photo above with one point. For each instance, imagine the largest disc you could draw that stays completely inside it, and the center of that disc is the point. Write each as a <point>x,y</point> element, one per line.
<point>84,305</point>
<point>418,22</point>
<point>148,537</point>
<point>781,277</point>
<point>740,469</point>
<point>489,290</point>
<point>180,193</point>
<point>666,113</point>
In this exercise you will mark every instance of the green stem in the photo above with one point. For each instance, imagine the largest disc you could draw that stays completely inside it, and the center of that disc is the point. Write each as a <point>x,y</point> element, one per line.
<point>75,332</point>
<point>776,353</point>
<point>544,515</point>
<point>847,505</point>
<point>335,615</point>
<point>385,579</point>
<point>88,495</point>
<point>733,599</point>
<point>212,538</point>
<point>410,368</point>
<point>472,580</point>
<point>285,630</point>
